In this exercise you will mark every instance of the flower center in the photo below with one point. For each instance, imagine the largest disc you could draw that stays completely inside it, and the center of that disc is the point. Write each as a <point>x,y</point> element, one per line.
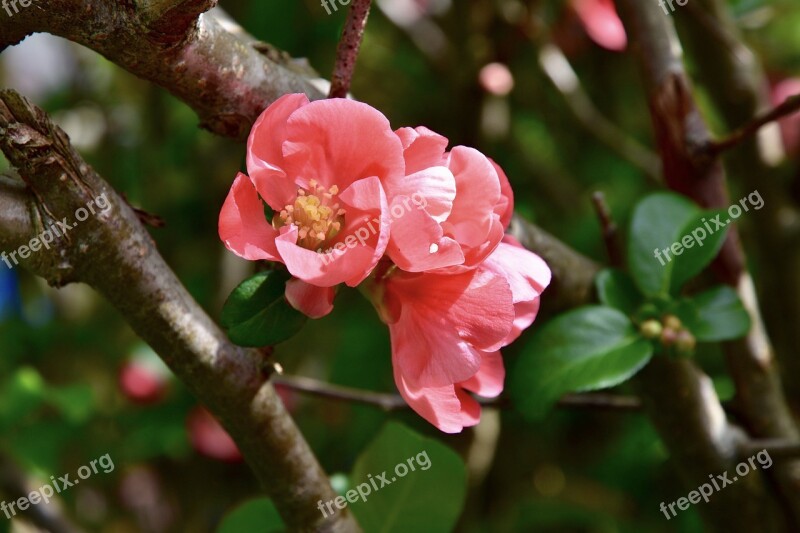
<point>315,213</point>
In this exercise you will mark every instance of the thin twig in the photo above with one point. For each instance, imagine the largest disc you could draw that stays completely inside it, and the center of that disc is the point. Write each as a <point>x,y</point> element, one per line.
<point>349,45</point>
<point>789,106</point>
<point>313,387</point>
<point>394,402</point>
<point>609,227</point>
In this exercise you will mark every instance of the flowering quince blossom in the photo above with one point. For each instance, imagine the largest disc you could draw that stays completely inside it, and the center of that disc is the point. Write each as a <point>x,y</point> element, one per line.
<point>451,286</point>
<point>320,167</point>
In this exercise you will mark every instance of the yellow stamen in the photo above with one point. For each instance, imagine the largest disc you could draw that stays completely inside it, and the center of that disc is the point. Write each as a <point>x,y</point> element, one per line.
<point>317,217</point>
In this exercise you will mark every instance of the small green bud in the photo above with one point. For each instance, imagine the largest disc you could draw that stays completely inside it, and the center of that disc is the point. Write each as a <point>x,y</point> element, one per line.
<point>650,329</point>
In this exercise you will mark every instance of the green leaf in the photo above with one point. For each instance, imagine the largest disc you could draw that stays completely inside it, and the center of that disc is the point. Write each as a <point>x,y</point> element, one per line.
<point>589,348</point>
<point>428,498</point>
<point>616,289</point>
<point>702,248</point>
<point>257,313</point>
<point>715,315</point>
<point>258,516</point>
<point>657,222</point>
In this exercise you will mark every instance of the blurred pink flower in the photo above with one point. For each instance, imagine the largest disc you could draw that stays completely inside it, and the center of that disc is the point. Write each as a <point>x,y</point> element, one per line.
<point>209,438</point>
<point>319,166</point>
<point>495,78</point>
<point>790,126</point>
<point>601,22</point>
<point>468,205</point>
<point>141,384</point>
<point>447,330</point>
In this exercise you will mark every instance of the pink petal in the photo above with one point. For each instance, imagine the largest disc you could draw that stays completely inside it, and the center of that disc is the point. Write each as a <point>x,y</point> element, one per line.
<point>432,189</point>
<point>423,148</point>
<point>312,301</point>
<point>445,322</point>
<point>417,242</point>
<point>267,135</point>
<point>602,23</point>
<point>339,141</point>
<point>446,407</point>
<point>477,194</point>
<point>527,274</point>
<point>505,207</point>
<point>243,226</point>
<point>488,381</point>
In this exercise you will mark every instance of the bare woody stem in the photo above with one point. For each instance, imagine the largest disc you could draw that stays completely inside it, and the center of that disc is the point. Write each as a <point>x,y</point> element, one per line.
<point>349,45</point>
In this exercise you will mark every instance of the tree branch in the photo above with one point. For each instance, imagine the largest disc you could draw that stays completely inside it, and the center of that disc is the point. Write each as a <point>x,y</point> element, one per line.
<point>15,217</point>
<point>169,21</point>
<point>224,77</point>
<point>113,253</point>
<point>681,134</point>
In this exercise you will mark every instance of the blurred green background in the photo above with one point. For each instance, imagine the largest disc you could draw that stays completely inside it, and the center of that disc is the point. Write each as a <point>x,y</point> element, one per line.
<point>71,369</point>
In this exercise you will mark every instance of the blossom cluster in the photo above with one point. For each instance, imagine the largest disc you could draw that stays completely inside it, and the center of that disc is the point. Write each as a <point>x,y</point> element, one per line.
<point>451,286</point>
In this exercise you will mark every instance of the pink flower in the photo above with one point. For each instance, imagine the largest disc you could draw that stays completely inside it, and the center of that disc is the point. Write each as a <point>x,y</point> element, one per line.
<point>601,22</point>
<point>447,330</point>
<point>467,205</point>
<point>319,167</point>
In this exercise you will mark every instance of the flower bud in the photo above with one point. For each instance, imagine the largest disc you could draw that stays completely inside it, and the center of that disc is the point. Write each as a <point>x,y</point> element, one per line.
<point>651,329</point>
<point>672,322</point>
<point>669,336</point>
